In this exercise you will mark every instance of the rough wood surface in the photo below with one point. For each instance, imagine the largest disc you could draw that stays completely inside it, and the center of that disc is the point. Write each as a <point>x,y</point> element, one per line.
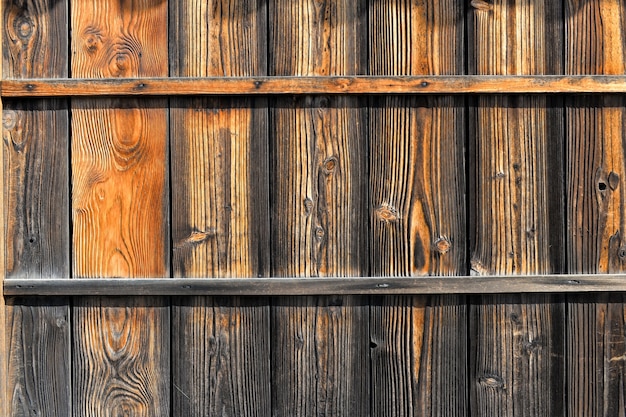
<point>320,356</point>
<point>221,350</point>
<point>39,378</point>
<point>318,166</point>
<point>120,211</point>
<point>517,160</point>
<point>595,167</point>
<point>342,85</point>
<point>220,208</point>
<point>417,187</point>
<point>219,146</point>
<point>121,356</point>
<point>517,355</point>
<point>35,236</point>
<point>35,137</point>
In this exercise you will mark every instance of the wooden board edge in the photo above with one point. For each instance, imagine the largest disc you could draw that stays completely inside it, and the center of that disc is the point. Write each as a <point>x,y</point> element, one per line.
<point>290,85</point>
<point>580,283</point>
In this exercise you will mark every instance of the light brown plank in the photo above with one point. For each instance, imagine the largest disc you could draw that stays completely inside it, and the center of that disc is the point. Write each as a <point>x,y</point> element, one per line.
<point>120,210</point>
<point>35,199</point>
<point>417,211</point>
<point>220,207</point>
<point>595,168</point>
<point>318,164</point>
<point>342,85</point>
<point>517,353</point>
<point>121,352</point>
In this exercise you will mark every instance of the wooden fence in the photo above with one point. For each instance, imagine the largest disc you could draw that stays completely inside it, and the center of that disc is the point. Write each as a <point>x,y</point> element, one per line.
<point>336,208</point>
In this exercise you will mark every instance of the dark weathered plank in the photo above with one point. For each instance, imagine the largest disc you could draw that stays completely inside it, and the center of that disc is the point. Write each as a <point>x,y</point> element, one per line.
<point>517,355</point>
<point>320,352</point>
<point>120,210</point>
<point>35,200</point>
<point>318,166</point>
<point>221,357</point>
<point>343,85</point>
<point>220,207</point>
<point>417,187</point>
<point>517,362</point>
<point>38,350</point>
<point>35,137</point>
<point>595,168</point>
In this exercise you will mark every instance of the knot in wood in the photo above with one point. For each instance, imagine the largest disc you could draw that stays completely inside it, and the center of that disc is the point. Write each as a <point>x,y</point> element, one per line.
<point>24,27</point>
<point>9,119</point>
<point>495,382</point>
<point>330,164</point>
<point>481,5</point>
<point>442,245</point>
<point>386,213</point>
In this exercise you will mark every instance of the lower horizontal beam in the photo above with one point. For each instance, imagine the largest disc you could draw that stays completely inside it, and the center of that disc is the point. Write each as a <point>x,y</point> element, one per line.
<point>358,84</point>
<point>316,286</point>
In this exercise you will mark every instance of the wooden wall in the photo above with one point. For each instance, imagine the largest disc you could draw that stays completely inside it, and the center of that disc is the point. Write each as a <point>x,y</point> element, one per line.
<point>303,186</point>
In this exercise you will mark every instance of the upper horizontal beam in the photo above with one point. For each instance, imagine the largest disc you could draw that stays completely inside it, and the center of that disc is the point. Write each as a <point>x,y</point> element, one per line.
<point>316,286</point>
<point>219,86</point>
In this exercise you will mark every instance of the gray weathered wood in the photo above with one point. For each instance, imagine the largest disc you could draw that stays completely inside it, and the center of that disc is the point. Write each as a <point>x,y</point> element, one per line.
<point>35,240</point>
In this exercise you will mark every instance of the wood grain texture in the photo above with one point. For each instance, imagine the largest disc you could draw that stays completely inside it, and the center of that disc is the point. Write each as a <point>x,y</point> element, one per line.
<point>320,355</point>
<point>219,146</point>
<point>417,211</point>
<point>318,160</point>
<point>517,355</point>
<point>119,147</point>
<point>121,355</point>
<point>516,342</point>
<point>595,165</point>
<point>221,350</point>
<point>318,203</point>
<point>121,348</point>
<point>35,137</point>
<point>335,85</point>
<point>39,377</point>
<point>596,348</point>
<point>35,236</point>
<point>220,207</point>
<point>419,356</point>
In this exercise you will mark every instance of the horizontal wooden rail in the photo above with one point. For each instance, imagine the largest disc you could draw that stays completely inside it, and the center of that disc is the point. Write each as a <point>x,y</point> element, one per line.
<point>316,286</point>
<point>454,84</point>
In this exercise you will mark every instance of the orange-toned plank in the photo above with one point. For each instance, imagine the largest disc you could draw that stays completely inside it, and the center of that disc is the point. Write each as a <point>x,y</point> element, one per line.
<point>120,210</point>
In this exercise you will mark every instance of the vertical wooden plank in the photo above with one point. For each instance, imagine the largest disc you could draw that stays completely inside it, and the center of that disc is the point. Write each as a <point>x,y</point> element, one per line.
<point>220,203</point>
<point>417,186</point>
<point>35,206</point>
<point>517,342</point>
<point>4,356</point>
<point>318,203</point>
<point>120,210</point>
<point>596,344</point>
